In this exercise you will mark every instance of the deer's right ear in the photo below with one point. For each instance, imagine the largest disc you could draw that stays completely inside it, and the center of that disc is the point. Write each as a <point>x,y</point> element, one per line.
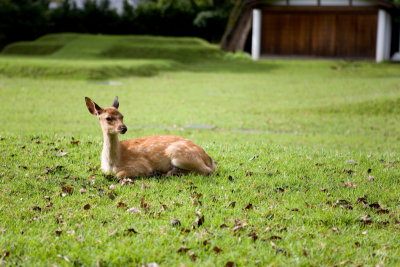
<point>93,107</point>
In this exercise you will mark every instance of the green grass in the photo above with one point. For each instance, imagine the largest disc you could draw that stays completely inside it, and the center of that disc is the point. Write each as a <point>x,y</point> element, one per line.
<point>304,142</point>
<point>83,56</point>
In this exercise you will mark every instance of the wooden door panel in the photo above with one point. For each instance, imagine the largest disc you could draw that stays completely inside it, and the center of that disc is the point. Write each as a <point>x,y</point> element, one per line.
<point>319,34</point>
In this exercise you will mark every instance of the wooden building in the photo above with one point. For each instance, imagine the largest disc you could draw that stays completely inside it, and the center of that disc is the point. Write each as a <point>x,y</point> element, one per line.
<point>361,29</point>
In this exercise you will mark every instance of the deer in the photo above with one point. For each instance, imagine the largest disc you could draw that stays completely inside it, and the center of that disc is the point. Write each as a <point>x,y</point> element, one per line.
<point>166,155</point>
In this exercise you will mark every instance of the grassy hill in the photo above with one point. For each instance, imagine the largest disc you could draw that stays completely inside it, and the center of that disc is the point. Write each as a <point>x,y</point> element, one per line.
<point>102,56</point>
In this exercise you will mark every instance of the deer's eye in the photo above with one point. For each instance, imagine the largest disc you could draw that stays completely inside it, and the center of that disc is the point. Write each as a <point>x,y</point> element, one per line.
<point>109,119</point>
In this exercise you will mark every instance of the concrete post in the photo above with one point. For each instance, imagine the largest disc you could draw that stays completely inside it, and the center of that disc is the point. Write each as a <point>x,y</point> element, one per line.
<point>256,35</point>
<point>383,36</point>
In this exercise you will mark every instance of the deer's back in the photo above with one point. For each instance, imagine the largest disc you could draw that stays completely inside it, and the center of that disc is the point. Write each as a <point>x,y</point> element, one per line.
<point>158,151</point>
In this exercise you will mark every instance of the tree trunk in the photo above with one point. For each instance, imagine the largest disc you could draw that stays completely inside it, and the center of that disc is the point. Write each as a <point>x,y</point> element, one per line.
<point>238,28</point>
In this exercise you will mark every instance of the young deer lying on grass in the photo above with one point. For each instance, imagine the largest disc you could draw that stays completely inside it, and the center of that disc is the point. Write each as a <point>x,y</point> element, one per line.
<point>147,156</point>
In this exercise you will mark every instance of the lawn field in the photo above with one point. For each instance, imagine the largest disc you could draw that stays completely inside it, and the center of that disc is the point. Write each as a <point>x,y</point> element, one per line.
<point>307,151</point>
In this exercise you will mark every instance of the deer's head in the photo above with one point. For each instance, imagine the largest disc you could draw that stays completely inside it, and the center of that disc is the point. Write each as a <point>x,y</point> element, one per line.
<point>111,120</point>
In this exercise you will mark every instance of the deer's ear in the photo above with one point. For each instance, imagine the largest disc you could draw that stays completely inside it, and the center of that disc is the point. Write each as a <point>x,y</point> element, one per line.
<point>93,107</point>
<point>116,102</point>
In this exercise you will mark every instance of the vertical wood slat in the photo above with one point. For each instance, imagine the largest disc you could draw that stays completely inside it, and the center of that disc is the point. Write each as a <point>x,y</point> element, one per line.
<point>331,34</point>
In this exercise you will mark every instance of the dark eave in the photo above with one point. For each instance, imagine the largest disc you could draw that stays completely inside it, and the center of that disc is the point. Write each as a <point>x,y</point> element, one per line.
<point>390,6</point>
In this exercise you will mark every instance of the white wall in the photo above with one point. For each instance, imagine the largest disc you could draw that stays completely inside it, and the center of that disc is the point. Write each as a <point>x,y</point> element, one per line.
<point>303,2</point>
<point>322,2</point>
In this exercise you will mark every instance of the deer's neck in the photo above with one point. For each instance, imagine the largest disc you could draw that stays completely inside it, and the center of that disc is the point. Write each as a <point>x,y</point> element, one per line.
<point>110,153</point>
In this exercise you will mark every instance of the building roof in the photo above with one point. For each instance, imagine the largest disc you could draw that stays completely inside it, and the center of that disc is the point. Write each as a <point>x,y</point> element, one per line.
<point>381,3</point>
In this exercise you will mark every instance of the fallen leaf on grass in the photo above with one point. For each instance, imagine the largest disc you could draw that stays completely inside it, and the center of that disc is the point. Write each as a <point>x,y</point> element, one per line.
<point>111,195</point>
<point>230,264</point>
<point>133,210</point>
<point>199,221</point>
<point>362,200</point>
<point>37,208</point>
<point>370,177</point>
<point>82,190</point>
<point>336,230</point>
<point>58,231</point>
<point>112,187</point>
<point>239,225</point>
<point>348,171</point>
<point>144,186</point>
<point>151,264</point>
<point>249,206</point>
<point>253,235</point>
<point>217,250</point>
<point>268,229</point>
<point>206,242</point>
<point>131,231</point>
<point>232,204</point>
<point>254,157</point>
<point>54,169</point>
<point>279,190</point>
<point>175,222</point>
<point>87,207</point>
<point>275,237</point>
<point>183,250</point>
<point>143,204</point>
<point>382,211</point>
<point>61,154</point>
<point>126,181</point>
<point>249,173</point>
<point>343,203</point>
<point>67,189</point>
<point>366,219</point>
<point>64,257</point>
<point>193,256</point>
<point>374,205</point>
<point>352,161</point>
<point>71,232</point>
<point>350,185</point>
<point>195,201</point>
<point>223,226</point>
<point>113,233</point>
<point>75,142</point>
<point>121,204</point>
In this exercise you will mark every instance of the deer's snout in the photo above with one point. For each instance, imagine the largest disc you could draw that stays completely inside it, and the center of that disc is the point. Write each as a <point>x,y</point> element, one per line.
<point>123,129</point>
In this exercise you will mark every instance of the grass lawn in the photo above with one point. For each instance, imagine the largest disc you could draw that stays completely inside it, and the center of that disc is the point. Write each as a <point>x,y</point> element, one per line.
<point>308,155</point>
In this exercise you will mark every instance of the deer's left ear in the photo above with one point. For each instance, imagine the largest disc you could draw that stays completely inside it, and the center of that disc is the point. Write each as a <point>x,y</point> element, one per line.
<point>93,107</point>
<point>116,102</point>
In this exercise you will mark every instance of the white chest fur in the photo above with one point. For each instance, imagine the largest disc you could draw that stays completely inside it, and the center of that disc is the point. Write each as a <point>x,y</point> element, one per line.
<point>110,154</point>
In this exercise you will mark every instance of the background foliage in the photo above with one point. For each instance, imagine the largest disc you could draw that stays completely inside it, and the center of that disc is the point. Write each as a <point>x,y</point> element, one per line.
<point>29,19</point>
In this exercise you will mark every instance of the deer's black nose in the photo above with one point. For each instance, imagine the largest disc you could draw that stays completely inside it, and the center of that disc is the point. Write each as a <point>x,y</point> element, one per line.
<point>123,129</point>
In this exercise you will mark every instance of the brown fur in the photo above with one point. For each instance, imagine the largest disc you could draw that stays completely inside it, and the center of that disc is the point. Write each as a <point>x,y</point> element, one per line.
<point>146,156</point>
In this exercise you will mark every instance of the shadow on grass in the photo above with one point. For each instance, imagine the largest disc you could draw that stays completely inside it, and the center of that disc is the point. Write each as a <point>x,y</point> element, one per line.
<point>103,69</point>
